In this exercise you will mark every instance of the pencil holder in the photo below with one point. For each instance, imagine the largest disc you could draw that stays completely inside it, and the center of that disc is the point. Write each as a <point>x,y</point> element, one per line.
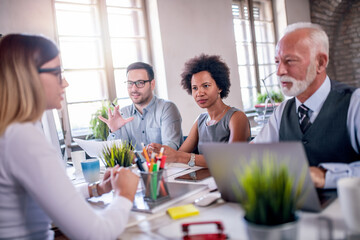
<point>154,186</point>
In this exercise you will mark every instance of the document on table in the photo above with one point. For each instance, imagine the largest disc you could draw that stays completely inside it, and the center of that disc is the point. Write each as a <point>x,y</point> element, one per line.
<point>173,171</point>
<point>94,148</point>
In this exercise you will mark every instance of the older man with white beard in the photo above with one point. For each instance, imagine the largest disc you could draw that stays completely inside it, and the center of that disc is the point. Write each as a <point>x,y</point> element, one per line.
<point>323,114</point>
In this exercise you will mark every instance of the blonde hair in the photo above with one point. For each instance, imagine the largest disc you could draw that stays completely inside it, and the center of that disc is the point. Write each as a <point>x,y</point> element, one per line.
<point>22,97</point>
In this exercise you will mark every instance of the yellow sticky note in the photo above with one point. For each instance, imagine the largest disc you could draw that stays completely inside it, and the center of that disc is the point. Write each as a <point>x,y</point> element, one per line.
<point>183,211</point>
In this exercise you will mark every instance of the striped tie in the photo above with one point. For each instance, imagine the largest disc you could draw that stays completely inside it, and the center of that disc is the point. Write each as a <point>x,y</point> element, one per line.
<point>304,118</point>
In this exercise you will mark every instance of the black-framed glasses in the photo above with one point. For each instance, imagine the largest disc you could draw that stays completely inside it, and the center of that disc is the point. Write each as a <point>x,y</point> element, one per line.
<point>57,71</point>
<point>138,84</point>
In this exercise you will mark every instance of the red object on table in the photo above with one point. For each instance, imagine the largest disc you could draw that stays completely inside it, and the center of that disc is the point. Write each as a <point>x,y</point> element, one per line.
<point>205,236</point>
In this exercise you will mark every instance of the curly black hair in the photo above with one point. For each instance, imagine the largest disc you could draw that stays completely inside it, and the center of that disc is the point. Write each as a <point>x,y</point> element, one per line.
<point>213,64</point>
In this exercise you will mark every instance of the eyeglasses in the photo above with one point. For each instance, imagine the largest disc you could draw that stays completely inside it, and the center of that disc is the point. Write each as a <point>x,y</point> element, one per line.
<point>57,71</point>
<point>138,84</point>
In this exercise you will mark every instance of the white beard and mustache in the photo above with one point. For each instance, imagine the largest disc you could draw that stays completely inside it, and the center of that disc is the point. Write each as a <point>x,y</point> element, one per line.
<point>298,86</point>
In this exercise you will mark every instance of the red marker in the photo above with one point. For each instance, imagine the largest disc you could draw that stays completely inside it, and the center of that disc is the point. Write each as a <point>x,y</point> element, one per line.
<point>163,160</point>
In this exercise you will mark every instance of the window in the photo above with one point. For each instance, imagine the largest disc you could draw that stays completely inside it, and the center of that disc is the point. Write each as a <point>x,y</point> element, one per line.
<point>98,39</point>
<point>255,46</point>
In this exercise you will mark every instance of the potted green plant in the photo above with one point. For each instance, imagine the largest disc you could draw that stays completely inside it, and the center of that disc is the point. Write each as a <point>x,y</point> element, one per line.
<point>118,153</point>
<point>276,96</point>
<point>100,130</point>
<point>270,197</point>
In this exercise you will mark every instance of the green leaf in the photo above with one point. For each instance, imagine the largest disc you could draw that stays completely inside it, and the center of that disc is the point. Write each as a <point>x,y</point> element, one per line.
<point>99,129</point>
<point>276,96</point>
<point>118,154</point>
<point>266,190</point>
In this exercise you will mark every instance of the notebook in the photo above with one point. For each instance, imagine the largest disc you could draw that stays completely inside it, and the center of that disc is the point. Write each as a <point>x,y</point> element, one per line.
<point>223,158</point>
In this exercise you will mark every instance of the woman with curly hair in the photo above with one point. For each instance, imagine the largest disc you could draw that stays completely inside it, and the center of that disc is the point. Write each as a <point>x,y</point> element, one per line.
<point>206,78</point>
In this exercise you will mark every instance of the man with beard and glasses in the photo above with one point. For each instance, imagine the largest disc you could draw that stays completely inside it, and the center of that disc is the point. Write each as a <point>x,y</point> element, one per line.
<point>323,114</point>
<point>149,119</point>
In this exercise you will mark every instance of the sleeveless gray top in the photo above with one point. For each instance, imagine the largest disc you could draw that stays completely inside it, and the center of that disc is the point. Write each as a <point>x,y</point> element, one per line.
<point>218,132</point>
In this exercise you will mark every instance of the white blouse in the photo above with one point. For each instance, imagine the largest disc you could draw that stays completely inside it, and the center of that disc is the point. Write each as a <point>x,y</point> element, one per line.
<point>35,191</point>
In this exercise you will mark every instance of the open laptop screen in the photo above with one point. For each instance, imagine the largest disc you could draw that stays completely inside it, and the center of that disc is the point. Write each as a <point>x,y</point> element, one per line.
<point>224,160</point>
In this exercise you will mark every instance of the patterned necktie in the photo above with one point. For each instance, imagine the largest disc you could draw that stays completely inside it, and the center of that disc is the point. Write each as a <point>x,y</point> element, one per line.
<point>304,117</point>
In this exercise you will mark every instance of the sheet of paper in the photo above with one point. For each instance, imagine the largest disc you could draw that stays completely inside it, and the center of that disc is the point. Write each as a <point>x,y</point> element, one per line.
<point>173,171</point>
<point>94,148</point>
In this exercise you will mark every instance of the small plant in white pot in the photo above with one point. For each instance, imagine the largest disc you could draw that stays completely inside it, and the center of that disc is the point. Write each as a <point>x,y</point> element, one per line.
<point>270,197</point>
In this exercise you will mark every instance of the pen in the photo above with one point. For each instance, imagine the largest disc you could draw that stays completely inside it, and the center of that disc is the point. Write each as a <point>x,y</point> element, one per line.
<point>155,167</point>
<point>161,152</point>
<point>139,165</point>
<point>137,155</point>
<point>154,183</point>
<point>138,162</point>
<point>145,153</point>
<point>112,104</point>
<point>143,164</point>
<point>163,160</point>
<point>158,162</point>
<point>152,162</point>
<point>153,157</point>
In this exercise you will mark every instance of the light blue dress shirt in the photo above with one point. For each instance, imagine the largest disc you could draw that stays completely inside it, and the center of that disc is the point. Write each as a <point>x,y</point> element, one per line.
<point>159,123</point>
<point>335,171</point>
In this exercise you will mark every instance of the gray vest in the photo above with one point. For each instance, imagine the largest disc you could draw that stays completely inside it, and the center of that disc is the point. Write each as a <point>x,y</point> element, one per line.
<point>327,139</point>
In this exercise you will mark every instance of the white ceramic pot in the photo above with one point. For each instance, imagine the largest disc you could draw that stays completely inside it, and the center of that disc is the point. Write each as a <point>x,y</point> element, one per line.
<point>277,232</point>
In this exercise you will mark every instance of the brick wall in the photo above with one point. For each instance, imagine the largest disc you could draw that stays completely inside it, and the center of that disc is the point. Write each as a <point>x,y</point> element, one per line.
<point>341,21</point>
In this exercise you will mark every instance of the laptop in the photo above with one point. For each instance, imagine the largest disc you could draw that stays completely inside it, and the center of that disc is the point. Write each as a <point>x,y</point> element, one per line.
<point>223,159</point>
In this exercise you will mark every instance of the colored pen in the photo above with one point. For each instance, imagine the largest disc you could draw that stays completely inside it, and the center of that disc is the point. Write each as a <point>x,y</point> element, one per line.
<point>139,164</point>
<point>112,104</point>
<point>153,157</point>
<point>137,155</point>
<point>155,167</point>
<point>145,166</point>
<point>163,160</point>
<point>153,163</point>
<point>145,153</point>
<point>151,167</point>
<point>158,162</point>
<point>161,152</point>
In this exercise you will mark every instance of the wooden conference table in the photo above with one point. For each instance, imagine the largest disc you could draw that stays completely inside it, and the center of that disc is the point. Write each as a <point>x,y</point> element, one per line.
<point>329,224</point>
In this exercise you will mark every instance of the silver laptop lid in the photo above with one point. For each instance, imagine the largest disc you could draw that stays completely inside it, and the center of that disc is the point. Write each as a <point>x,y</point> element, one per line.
<point>225,159</point>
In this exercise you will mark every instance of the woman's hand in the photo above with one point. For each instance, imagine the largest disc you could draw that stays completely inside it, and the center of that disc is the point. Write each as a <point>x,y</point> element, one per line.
<point>171,154</point>
<point>154,147</point>
<point>105,185</point>
<point>124,182</point>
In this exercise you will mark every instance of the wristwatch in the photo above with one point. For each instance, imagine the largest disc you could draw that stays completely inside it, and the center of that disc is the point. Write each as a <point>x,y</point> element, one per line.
<point>191,162</point>
<point>93,187</point>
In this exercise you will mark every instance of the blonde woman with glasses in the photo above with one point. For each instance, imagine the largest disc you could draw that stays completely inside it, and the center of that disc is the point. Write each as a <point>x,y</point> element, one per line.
<point>34,188</point>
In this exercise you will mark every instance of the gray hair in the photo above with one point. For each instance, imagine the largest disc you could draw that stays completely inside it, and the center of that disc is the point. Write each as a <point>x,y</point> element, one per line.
<point>317,37</point>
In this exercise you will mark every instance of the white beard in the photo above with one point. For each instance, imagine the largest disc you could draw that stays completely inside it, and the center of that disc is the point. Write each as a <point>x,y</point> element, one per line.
<point>298,86</point>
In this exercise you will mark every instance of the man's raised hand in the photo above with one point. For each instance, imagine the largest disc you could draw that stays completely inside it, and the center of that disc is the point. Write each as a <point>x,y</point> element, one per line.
<point>115,120</point>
